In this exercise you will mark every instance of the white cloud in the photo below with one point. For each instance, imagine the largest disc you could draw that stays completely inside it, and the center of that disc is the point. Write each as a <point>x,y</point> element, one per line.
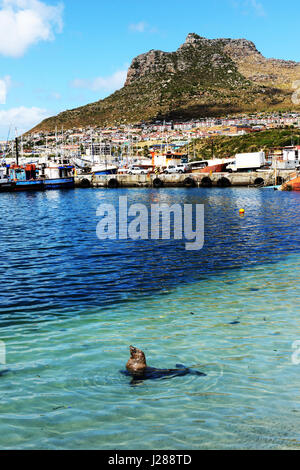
<point>26,22</point>
<point>111,83</point>
<point>257,7</point>
<point>142,27</point>
<point>250,6</point>
<point>21,118</point>
<point>5,83</point>
<point>138,27</point>
<point>55,95</point>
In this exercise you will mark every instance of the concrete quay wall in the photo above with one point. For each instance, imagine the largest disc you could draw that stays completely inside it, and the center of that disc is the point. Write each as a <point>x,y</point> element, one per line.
<point>255,179</point>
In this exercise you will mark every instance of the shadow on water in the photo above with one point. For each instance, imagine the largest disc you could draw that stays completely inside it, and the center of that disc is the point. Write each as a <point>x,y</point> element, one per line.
<point>53,264</point>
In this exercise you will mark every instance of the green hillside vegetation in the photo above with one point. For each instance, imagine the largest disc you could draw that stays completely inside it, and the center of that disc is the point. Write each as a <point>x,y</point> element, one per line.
<point>222,147</point>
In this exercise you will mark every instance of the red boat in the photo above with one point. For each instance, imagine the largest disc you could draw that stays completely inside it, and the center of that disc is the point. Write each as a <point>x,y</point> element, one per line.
<point>292,185</point>
<point>207,167</point>
<point>214,168</point>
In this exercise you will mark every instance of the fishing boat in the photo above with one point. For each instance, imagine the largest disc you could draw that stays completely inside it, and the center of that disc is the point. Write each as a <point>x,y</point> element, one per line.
<point>31,178</point>
<point>49,173</point>
<point>56,175</point>
<point>24,178</point>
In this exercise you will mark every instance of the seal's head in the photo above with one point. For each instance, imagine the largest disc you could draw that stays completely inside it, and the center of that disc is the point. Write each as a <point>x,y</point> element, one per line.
<point>137,361</point>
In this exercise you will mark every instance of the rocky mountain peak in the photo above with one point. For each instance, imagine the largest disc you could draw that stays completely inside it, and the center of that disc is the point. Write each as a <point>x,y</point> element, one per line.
<point>193,38</point>
<point>203,77</point>
<point>223,49</point>
<point>238,47</point>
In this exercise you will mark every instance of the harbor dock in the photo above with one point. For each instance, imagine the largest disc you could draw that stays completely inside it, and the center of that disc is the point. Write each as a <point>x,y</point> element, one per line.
<point>246,179</point>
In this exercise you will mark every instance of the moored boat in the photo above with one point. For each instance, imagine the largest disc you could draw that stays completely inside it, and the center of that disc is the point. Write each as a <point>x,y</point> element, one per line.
<point>24,178</point>
<point>29,178</point>
<point>57,175</point>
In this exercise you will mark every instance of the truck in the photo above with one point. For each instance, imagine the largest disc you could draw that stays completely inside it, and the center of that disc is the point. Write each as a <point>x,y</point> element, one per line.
<point>247,161</point>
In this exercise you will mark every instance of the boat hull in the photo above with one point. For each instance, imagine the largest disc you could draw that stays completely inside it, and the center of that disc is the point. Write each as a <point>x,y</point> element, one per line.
<point>33,185</point>
<point>59,183</point>
<point>38,185</point>
<point>7,186</point>
<point>219,168</point>
<point>105,172</point>
<point>292,185</point>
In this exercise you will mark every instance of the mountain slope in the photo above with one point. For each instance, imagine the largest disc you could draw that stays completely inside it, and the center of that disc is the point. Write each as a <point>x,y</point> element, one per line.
<point>204,77</point>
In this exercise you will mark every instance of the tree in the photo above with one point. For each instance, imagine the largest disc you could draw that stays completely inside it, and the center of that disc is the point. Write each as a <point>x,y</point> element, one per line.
<point>146,151</point>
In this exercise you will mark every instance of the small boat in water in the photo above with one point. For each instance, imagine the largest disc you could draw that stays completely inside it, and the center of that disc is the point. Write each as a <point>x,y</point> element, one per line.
<point>49,173</point>
<point>24,178</point>
<point>57,174</point>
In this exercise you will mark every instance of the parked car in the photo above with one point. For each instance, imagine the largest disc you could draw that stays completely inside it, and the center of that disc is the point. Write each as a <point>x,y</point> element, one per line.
<point>180,168</point>
<point>136,170</point>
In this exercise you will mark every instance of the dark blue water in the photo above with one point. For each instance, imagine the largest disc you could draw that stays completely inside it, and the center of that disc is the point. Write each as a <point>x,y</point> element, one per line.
<point>52,261</point>
<point>70,306</point>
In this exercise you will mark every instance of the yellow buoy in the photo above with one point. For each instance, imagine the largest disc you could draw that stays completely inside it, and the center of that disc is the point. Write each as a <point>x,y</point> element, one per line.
<point>242,211</point>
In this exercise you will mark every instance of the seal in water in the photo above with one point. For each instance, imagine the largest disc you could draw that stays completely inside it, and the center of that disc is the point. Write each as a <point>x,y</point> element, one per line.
<point>137,368</point>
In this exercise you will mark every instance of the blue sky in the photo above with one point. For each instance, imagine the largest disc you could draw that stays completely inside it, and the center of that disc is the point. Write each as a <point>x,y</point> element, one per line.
<point>57,55</point>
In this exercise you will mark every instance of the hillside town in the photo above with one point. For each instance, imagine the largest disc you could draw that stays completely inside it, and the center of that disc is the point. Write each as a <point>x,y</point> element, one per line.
<point>127,142</point>
<point>160,152</point>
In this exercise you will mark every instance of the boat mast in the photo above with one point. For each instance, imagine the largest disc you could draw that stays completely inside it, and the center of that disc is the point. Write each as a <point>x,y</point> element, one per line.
<point>128,148</point>
<point>6,149</point>
<point>22,153</point>
<point>92,148</point>
<point>56,142</point>
<point>100,148</point>
<point>62,142</point>
<point>17,151</point>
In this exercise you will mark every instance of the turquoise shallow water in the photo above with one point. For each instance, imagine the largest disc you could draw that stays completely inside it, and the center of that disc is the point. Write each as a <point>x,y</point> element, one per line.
<point>71,306</point>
